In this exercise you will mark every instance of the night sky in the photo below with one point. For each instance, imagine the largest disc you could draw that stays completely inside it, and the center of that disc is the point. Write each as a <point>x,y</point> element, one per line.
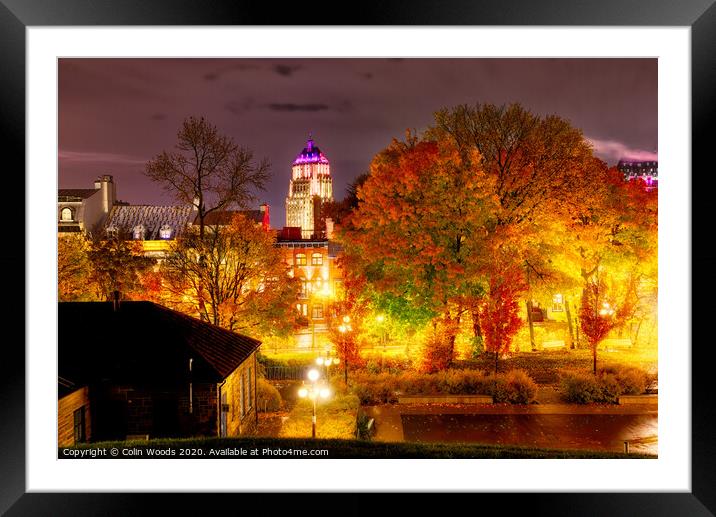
<point>115,114</point>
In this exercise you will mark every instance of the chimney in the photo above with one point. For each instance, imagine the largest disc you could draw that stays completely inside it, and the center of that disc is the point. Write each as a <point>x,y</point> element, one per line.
<point>266,223</point>
<point>115,300</point>
<point>109,195</point>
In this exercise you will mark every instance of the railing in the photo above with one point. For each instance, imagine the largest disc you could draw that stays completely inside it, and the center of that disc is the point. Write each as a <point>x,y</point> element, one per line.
<point>285,373</point>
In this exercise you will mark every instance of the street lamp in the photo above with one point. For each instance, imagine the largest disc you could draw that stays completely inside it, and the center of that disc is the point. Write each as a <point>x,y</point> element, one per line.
<point>313,392</point>
<point>326,362</point>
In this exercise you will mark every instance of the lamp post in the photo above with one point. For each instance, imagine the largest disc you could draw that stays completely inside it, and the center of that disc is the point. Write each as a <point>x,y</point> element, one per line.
<point>326,362</point>
<point>313,392</point>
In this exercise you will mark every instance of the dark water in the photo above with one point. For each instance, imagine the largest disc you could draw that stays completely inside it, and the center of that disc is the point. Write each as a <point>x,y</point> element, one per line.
<point>564,431</point>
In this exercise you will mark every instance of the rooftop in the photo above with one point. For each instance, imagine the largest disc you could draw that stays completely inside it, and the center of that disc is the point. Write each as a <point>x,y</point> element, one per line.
<point>143,342</point>
<point>310,154</point>
<point>151,217</point>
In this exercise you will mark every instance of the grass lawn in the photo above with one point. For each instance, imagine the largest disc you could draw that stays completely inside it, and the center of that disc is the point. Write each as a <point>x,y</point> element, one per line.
<point>359,449</point>
<point>335,418</point>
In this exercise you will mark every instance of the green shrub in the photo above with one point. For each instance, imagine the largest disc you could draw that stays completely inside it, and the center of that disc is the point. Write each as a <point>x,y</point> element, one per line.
<point>580,388</point>
<point>514,387</point>
<point>268,397</point>
<point>520,386</point>
<point>607,386</point>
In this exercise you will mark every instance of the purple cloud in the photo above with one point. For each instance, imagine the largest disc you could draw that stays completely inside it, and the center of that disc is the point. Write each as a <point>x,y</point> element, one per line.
<point>613,151</point>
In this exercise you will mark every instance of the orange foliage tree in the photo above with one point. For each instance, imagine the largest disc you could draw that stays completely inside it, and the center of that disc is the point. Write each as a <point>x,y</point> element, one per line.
<point>419,224</point>
<point>499,310</point>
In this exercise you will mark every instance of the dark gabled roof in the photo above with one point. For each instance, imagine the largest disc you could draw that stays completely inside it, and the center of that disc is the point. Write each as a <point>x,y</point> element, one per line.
<point>65,387</point>
<point>82,193</point>
<point>223,217</point>
<point>143,342</point>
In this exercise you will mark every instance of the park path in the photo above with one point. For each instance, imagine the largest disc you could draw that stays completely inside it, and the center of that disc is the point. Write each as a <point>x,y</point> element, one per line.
<point>563,426</point>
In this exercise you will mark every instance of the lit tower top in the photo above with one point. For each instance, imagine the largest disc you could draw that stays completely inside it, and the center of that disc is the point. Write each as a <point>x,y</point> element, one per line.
<point>310,182</point>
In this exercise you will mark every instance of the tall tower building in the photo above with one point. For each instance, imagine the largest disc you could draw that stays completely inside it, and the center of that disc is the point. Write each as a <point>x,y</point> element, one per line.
<point>311,184</point>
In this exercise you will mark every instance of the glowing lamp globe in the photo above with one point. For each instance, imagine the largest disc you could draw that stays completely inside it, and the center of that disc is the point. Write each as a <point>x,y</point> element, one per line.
<point>303,393</point>
<point>319,361</point>
<point>325,393</point>
<point>313,375</point>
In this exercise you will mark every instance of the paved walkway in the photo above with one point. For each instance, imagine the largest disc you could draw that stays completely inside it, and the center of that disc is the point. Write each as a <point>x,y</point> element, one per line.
<point>597,427</point>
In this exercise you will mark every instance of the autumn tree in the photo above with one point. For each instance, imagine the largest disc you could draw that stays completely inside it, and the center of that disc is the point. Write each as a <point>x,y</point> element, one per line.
<point>612,234</point>
<point>600,311</point>
<point>73,268</point>
<point>419,224</point>
<point>234,277</point>
<point>538,164</point>
<point>499,308</point>
<point>208,170</point>
<point>116,265</point>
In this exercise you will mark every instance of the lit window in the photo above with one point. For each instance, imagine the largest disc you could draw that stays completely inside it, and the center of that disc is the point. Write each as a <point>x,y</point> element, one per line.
<point>66,214</point>
<point>300,259</point>
<point>165,232</point>
<point>112,231</point>
<point>316,259</point>
<point>138,232</point>
<point>318,311</point>
<point>557,303</point>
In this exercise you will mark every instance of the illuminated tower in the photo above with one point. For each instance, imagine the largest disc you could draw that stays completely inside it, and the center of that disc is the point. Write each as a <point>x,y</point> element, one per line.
<point>311,184</point>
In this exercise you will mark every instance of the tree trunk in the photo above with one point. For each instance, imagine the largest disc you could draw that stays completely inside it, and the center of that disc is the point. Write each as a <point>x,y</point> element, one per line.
<point>594,357</point>
<point>476,328</point>
<point>532,328</point>
<point>569,323</point>
<point>497,357</point>
<point>576,330</point>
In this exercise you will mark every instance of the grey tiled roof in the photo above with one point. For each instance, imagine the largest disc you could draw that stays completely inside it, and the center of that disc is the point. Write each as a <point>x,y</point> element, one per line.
<point>151,217</point>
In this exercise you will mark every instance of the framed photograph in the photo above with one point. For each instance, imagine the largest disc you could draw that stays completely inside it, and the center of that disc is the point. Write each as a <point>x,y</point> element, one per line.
<point>341,134</point>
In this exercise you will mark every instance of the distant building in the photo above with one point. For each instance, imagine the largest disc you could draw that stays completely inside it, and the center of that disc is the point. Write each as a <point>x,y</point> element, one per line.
<point>156,226</point>
<point>646,170</point>
<point>315,263</point>
<point>145,370</point>
<point>85,210</point>
<point>311,184</point>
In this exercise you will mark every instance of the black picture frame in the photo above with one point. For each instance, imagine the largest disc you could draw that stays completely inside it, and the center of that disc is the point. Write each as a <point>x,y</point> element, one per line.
<point>17,15</point>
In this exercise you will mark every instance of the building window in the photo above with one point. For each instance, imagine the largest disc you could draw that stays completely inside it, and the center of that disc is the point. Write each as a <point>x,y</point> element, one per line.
<point>318,311</point>
<point>112,231</point>
<point>305,310</point>
<point>242,394</point>
<point>248,388</point>
<point>165,232</point>
<point>138,233</point>
<point>66,214</point>
<point>316,259</point>
<point>557,303</point>
<point>79,425</point>
<point>300,259</point>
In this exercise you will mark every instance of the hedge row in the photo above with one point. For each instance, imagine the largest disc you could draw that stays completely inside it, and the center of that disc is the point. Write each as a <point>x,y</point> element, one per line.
<point>605,387</point>
<point>515,387</point>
